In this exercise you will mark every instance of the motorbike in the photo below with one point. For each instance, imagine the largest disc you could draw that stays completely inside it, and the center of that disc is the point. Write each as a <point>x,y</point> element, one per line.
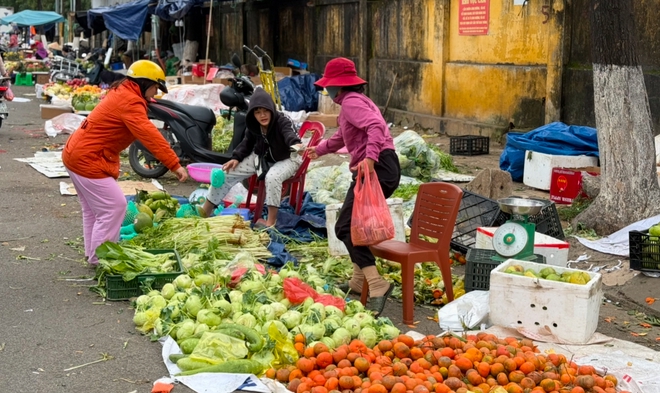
<point>99,74</point>
<point>4,86</point>
<point>189,128</point>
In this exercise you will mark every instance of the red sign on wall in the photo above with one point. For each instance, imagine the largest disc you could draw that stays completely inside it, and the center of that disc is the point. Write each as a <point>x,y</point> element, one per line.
<point>473,17</point>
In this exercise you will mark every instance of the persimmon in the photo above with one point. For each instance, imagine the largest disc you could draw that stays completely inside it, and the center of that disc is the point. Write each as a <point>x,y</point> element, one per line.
<point>417,389</point>
<point>463,363</point>
<point>585,381</point>
<point>527,383</point>
<point>332,383</point>
<point>282,375</point>
<point>612,379</point>
<point>454,371</point>
<point>406,339</point>
<point>295,374</point>
<point>302,388</point>
<point>484,369</point>
<point>548,385</point>
<point>346,382</point>
<point>416,353</point>
<point>448,352</point>
<point>496,368</point>
<point>516,376</point>
<point>293,385</point>
<point>324,359</point>
<point>377,388</point>
<point>577,389</point>
<point>401,388</point>
<point>399,368</point>
<point>357,346</point>
<point>339,354</point>
<point>513,387</point>
<point>474,378</point>
<point>401,350</point>
<point>305,365</point>
<point>270,373</point>
<point>385,345</point>
<point>319,389</point>
<point>453,383</point>
<point>309,352</point>
<point>502,379</point>
<point>344,363</point>
<point>510,365</point>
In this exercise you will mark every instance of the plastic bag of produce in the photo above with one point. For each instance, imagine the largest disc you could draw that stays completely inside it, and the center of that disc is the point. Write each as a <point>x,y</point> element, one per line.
<point>216,347</point>
<point>65,123</point>
<point>371,222</point>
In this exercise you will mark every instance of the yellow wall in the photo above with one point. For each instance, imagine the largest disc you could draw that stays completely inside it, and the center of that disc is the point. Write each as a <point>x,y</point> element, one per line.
<point>500,77</point>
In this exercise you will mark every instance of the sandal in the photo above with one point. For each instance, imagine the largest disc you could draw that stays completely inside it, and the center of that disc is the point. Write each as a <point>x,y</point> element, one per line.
<point>260,224</point>
<point>347,289</point>
<point>377,304</point>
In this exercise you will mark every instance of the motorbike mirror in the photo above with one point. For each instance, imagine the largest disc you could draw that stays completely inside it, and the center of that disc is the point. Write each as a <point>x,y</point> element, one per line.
<point>259,51</point>
<point>236,61</point>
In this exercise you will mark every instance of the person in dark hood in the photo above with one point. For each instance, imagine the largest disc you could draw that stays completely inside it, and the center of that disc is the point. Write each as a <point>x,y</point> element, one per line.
<point>266,150</point>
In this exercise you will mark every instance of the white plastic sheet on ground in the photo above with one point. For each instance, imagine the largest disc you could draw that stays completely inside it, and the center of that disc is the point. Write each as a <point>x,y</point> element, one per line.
<point>65,123</point>
<point>617,243</point>
<point>201,95</point>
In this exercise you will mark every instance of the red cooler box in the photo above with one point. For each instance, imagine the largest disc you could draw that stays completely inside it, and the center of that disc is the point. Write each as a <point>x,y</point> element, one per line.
<point>566,184</point>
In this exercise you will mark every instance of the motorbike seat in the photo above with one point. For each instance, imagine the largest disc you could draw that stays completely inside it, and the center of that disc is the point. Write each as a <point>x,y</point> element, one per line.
<point>200,114</point>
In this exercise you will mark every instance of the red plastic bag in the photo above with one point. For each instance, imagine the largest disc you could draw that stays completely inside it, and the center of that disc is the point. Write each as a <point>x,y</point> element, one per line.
<point>297,292</point>
<point>9,95</point>
<point>371,222</point>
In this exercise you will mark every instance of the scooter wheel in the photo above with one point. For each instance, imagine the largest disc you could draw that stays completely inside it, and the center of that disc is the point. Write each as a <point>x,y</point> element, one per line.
<point>143,165</point>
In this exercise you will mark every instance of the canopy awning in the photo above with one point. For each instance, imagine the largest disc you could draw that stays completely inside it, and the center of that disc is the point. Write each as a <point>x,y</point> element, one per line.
<point>172,10</point>
<point>126,20</point>
<point>33,18</point>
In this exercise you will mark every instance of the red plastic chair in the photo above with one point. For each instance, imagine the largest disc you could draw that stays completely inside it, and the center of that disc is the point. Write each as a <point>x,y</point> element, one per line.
<point>436,209</point>
<point>297,181</point>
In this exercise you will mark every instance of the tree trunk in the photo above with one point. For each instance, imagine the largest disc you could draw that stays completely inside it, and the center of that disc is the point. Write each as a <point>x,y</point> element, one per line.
<point>629,185</point>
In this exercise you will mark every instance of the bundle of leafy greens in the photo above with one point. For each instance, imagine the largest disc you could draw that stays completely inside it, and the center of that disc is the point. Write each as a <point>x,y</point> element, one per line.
<point>131,261</point>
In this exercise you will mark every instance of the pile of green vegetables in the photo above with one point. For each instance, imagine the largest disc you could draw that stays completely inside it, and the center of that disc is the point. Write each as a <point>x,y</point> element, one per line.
<point>221,134</point>
<point>224,323</point>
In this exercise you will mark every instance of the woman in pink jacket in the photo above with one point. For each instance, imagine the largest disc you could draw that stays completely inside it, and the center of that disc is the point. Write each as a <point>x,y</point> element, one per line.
<point>364,133</point>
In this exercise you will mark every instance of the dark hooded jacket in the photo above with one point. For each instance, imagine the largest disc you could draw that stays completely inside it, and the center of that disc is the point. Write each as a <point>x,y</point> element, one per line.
<point>280,136</point>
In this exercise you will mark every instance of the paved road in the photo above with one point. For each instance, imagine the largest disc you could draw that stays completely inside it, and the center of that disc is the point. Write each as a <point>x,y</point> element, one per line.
<point>49,320</point>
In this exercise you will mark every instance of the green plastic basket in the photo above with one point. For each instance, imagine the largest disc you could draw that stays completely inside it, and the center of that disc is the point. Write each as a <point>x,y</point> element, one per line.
<point>118,289</point>
<point>479,264</point>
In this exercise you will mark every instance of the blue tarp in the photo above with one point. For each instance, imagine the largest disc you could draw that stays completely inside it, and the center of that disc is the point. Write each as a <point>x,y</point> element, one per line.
<point>33,18</point>
<point>554,138</point>
<point>172,10</point>
<point>125,20</point>
<point>298,93</point>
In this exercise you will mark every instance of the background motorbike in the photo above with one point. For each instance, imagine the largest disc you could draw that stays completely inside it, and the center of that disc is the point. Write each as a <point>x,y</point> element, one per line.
<point>189,129</point>
<point>99,74</point>
<point>4,86</point>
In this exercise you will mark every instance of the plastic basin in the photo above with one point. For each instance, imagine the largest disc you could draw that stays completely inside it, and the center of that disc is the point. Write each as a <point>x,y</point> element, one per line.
<point>201,171</point>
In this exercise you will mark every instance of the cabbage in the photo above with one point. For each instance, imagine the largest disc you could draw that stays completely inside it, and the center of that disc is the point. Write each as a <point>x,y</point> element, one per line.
<point>235,316</point>
<point>208,317</point>
<point>315,309</point>
<point>204,279</point>
<point>286,303</point>
<point>140,318</point>
<point>141,302</point>
<point>179,297</point>
<point>330,325</point>
<point>364,319</point>
<point>318,331</point>
<point>251,285</point>
<point>236,296</point>
<point>266,313</point>
<point>352,326</point>
<point>275,294</point>
<point>353,307</point>
<point>183,281</point>
<point>286,271</point>
<point>185,329</point>
<point>201,329</point>
<point>368,336</point>
<point>193,305</point>
<point>389,332</point>
<point>315,281</point>
<point>223,307</point>
<point>333,311</point>
<point>168,291</point>
<point>291,318</point>
<point>247,320</point>
<point>275,281</point>
<point>307,303</point>
<point>329,342</point>
<point>278,308</point>
<point>341,336</point>
<point>236,308</point>
<point>173,309</point>
<point>157,301</point>
<point>153,293</point>
<point>279,325</point>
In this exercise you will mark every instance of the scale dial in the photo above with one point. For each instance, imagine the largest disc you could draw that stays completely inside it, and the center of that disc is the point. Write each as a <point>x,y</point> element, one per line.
<point>510,239</point>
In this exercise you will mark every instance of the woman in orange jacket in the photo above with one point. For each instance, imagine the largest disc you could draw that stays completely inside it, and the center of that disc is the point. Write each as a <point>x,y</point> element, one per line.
<point>91,154</point>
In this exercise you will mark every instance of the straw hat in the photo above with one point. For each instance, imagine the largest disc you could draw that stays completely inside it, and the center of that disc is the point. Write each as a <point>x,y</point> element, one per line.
<point>54,46</point>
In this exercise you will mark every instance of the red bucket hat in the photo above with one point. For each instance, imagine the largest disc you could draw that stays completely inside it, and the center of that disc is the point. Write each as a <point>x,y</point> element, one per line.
<point>340,72</point>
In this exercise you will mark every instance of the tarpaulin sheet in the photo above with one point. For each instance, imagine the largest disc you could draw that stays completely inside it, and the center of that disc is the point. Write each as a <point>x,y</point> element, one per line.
<point>125,20</point>
<point>298,93</point>
<point>33,18</point>
<point>554,138</point>
<point>172,10</point>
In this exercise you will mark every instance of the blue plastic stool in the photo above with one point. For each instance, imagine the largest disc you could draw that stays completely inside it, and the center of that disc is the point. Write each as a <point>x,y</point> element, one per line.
<point>24,79</point>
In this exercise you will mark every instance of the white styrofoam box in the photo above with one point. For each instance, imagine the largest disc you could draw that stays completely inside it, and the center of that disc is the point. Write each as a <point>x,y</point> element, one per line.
<point>554,250</point>
<point>538,167</point>
<point>336,247</point>
<point>567,311</point>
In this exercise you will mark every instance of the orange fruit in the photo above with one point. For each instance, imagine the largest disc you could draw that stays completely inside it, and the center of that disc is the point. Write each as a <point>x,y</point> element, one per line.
<point>516,376</point>
<point>585,381</point>
<point>270,373</point>
<point>527,367</point>
<point>548,385</point>
<point>612,378</point>
<point>282,375</point>
<point>577,389</point>
<point>323,359</point>
<point>305,365</point>
<point>406,339</point>
<point>346,382</point>
<point>463,363</point>
<point>527,383</point>
<point>401,388</point>
<point>385,345</point>
<point>586,370</point>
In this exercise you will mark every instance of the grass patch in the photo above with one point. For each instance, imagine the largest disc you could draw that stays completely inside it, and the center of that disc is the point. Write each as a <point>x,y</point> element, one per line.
<point>568,213</point>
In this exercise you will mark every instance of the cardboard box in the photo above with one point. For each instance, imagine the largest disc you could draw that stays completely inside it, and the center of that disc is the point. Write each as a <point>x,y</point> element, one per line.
<point>186,79</point>
<point>327,106</point>
<point>222,81</point>
<point>198,80</point>
<point>173,80</point>
<point>329,121</point>
<point>287,71</point>
<point>538,167</point>
<point>256,80</point>
<point>50,111</point>
<point>41,78</point>
<point>566,183</point>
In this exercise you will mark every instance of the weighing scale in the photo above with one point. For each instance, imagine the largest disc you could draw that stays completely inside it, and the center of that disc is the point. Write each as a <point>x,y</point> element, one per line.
<point>515,238</point>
